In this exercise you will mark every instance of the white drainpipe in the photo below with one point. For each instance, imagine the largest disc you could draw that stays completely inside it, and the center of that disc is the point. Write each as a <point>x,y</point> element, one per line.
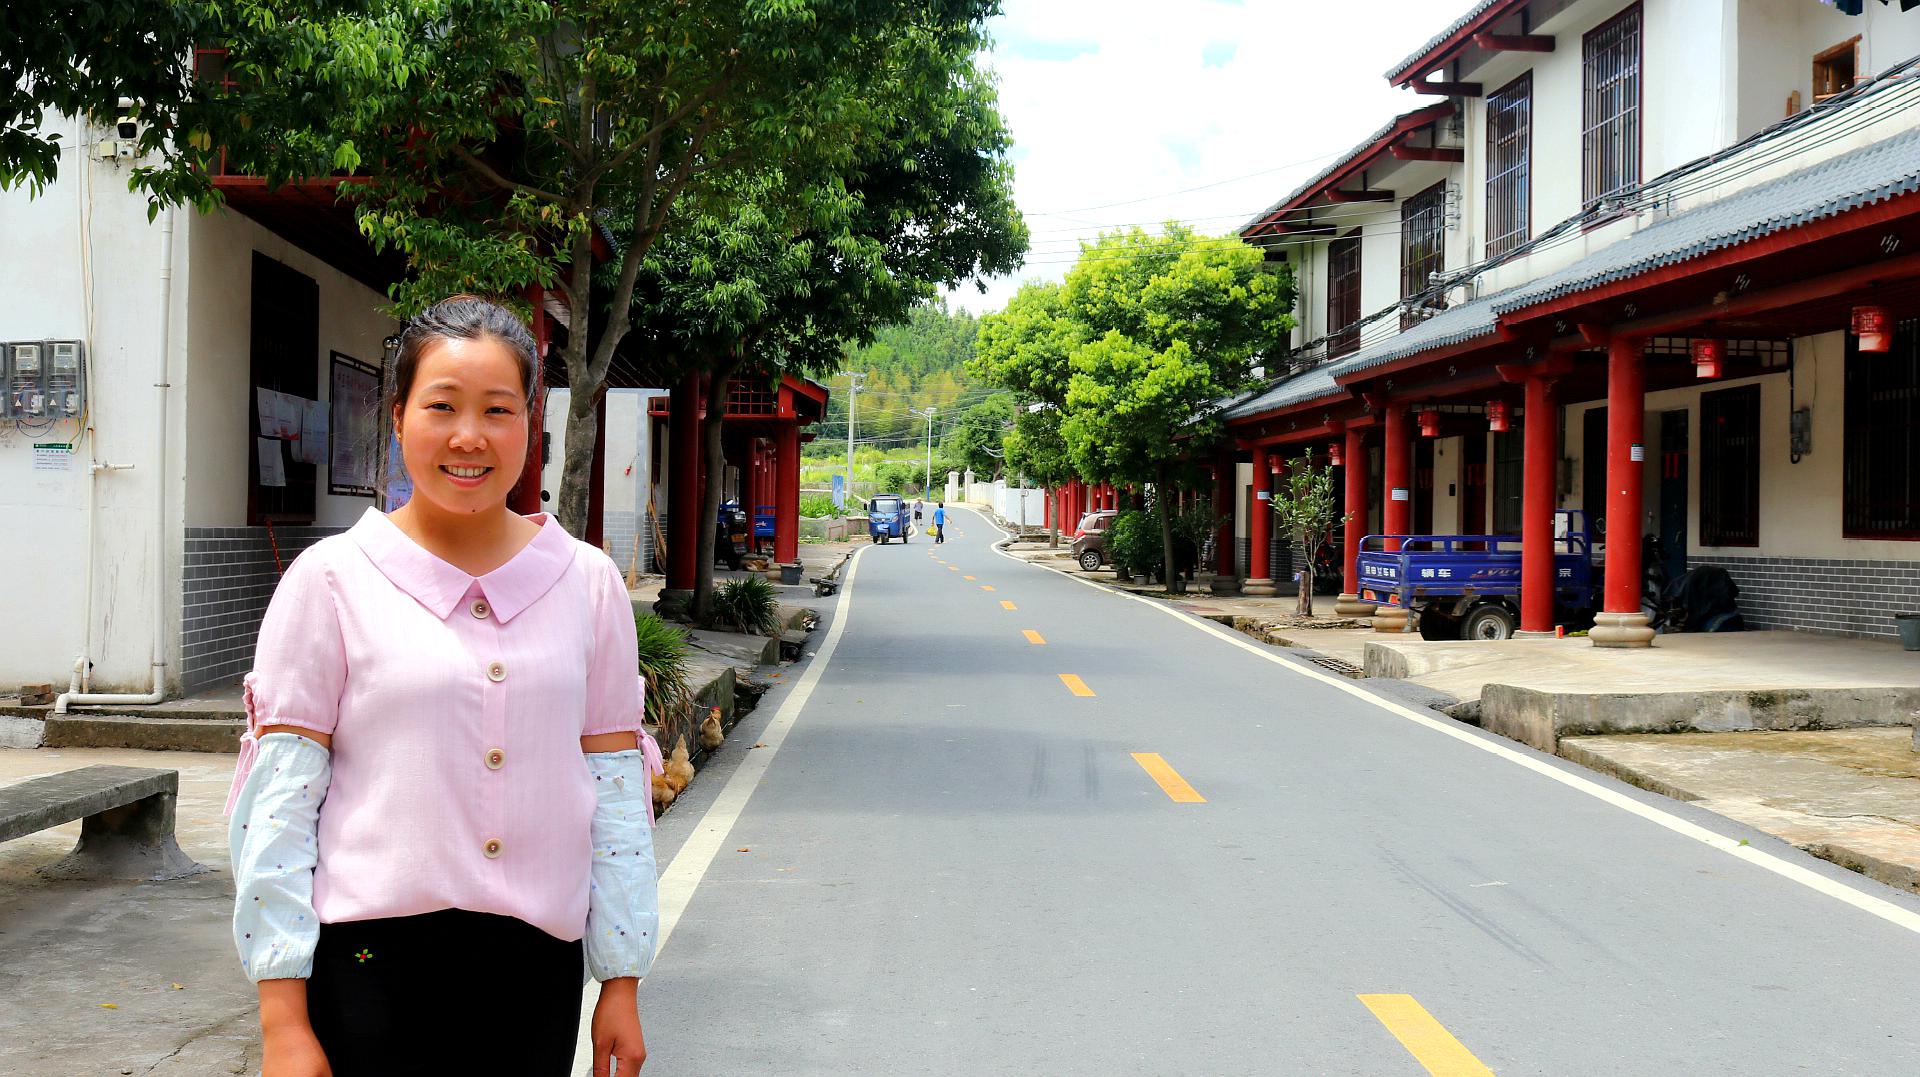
<point>74,696</point>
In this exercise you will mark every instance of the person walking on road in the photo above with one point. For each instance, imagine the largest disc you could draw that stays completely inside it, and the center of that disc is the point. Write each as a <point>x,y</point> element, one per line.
<point>419,848</point>
<point>940,523</point>
<point>917,506</point>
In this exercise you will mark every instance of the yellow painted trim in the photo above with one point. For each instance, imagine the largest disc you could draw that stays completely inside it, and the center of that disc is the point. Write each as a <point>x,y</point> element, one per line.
<point>1425,1038</point>
<point>1075,685</point>
<point>1032,636</point>
<point>1168,778</point>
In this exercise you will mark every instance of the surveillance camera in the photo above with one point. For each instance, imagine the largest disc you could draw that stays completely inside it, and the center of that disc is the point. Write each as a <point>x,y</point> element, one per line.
<point>128,129</point>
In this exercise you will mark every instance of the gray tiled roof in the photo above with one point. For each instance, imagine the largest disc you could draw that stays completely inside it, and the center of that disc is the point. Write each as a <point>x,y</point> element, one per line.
<point>1883,170</point>
<point>1434,43</point>
<point>1306,385</point>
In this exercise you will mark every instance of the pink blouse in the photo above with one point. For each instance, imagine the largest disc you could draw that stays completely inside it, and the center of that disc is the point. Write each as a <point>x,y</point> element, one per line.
<point>456,706</point>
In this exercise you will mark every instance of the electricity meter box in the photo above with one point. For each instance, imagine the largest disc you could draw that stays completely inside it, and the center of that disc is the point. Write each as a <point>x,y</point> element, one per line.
<point>42,380</point>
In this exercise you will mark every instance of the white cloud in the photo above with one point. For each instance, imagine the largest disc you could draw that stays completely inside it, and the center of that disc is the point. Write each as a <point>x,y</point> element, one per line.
<point>1115,105</point>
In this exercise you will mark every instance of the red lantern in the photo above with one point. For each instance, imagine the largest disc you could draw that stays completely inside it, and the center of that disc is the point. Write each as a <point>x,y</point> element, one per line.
<point>1274,464</point>
<point>1430,423</point>
<point>1497,416</point>
<point>1709,358</point>
<point>1874,328</point>
<point>1335,455</point>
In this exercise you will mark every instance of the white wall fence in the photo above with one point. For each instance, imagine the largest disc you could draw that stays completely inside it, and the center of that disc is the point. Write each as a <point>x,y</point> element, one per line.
<point>1012,503</point>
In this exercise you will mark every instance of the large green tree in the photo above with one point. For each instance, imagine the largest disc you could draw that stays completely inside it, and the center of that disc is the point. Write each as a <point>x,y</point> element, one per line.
<point>805,261</point>
<point>496,141</point>
<point>1137,347</point>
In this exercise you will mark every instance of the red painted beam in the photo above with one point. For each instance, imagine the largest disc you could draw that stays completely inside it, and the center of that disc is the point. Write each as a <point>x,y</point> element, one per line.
<point>1360,196</point>
<point>1428,153</point>
<point>1514,42</point>
<point>1859,278</point>
<point>1448,89</point>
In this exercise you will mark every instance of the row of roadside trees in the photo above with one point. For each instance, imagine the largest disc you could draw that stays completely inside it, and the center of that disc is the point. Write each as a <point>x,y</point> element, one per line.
<point>713,187</point>
<point>1121,367</point>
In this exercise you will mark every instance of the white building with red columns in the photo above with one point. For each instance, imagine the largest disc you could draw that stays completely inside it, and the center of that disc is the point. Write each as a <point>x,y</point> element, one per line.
<point>1657,261</point>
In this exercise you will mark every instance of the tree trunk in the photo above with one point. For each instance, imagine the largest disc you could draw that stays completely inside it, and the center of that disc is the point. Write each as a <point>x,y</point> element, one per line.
<point>715,465</point>
<point>1305,606</point>
<point>576,469</point>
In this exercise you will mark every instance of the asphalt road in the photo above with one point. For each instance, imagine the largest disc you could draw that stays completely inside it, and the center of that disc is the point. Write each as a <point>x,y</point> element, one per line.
<point>948,861</point>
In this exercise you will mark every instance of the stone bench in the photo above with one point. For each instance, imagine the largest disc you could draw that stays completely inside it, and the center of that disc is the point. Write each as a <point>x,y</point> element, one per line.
<point>126,829</point>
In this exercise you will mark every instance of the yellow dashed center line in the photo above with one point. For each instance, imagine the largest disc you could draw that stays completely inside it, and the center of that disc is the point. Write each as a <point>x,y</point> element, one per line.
<point>986,587</point>
<point>1005,605</point>
<point>966,577</point>
<point>1426,1039</point>
<point>1032,636</point>
<point>953,568</point>
<point>1075,685</point>
<point>1168,778</point>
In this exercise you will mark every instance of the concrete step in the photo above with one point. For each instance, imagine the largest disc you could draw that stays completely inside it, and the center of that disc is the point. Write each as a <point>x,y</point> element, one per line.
<point>138,731</point>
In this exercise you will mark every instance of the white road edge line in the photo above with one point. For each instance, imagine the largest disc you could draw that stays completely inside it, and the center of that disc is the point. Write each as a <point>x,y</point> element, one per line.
<point>1812,880</point>
<point>683,876</point>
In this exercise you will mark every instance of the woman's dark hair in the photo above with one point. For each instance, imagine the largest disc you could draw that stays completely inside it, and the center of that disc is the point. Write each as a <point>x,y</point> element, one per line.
<point>460,317</point>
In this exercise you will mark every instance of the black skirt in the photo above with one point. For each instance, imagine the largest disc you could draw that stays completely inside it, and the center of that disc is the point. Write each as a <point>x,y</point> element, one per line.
<point>445,992</point>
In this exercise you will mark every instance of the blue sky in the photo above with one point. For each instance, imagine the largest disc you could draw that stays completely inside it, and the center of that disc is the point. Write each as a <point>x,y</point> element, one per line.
<point>1120,109</point>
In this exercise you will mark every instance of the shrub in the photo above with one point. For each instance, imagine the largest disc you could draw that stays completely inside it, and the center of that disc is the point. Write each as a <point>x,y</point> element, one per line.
<point>748,604</point>
<point>817,505</point>
<point>1134,541</point>
<point>895,477</point>
<point>663,662</point>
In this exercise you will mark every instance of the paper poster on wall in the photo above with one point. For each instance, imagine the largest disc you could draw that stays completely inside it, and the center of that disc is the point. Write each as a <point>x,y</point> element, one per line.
<point>354,433</point>
<point>311,446</point>
<point>273,468</point>
<point>280,414</point>
<point>52,456</point>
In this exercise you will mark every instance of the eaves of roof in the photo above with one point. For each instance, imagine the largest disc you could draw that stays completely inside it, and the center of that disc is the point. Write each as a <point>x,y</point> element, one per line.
<point>1352,161</point>
<point>1457,34</point>
<point>1874,173</point>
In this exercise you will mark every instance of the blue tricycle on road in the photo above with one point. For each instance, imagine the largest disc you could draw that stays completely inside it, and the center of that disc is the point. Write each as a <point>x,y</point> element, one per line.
<point>1468,586</point>
<point>888,517</point>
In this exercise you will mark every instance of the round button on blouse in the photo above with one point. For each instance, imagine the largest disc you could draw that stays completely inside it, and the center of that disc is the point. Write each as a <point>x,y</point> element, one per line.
<point>491,848</point>
<point>496,759</point>
<point>497,672</point>
<point>479,609</point>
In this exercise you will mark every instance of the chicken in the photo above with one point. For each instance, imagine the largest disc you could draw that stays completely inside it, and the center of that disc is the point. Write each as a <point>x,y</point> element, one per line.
<point>663,792</point>
<point>679,766</point>
<point>712,735</point>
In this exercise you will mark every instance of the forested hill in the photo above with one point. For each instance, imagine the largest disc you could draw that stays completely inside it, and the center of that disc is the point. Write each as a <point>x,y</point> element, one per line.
<point>918,364</point>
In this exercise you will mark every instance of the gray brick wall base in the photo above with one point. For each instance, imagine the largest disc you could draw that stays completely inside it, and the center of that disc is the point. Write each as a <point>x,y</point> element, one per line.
<point>1830,596</point>
<point>228,578</point>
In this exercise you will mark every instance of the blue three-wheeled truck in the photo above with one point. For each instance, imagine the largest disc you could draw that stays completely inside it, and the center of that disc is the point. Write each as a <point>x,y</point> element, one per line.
<point>1468,586</point>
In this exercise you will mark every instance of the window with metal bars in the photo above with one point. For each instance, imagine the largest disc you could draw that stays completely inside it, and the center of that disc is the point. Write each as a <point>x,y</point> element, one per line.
<point>1343,294</point>
<point>1423,239</point>
<point>1610,116</point>
<point>1730,467</point>
<point>1509,165</point>
<point>1882,439</point>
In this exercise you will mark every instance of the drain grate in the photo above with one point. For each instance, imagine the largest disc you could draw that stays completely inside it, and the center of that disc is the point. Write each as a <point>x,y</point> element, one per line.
<point>1345,669</point>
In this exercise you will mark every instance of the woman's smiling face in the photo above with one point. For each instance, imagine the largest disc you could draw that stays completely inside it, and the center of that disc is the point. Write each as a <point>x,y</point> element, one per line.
<point>463,427</point>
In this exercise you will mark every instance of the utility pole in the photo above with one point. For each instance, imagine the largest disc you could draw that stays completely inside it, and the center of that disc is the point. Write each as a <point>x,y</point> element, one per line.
<point>854,381</point>
<point>926,484</point>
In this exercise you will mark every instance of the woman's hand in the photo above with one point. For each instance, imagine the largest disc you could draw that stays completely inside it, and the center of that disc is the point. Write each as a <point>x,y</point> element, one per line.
<point>616,1029</point>
<point>288,1045</point>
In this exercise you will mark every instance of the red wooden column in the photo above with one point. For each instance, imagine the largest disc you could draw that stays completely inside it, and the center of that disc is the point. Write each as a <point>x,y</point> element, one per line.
<point>1622,624</point>
<point>1542,451</point>
<point>1224,470</point>
<point>1260,528</point>
<point>786,494</point>
<point>597,485</point>
<point>683,486</point>
<point>1396,514</point>
<point>525,498</point>
<point>1354,466</point>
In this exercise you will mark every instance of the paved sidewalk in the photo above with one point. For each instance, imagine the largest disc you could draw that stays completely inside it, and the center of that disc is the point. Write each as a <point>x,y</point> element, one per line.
<point>112,978</point>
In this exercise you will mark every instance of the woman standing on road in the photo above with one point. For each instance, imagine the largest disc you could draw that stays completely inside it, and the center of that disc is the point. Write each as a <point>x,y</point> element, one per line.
<point>443,787</point>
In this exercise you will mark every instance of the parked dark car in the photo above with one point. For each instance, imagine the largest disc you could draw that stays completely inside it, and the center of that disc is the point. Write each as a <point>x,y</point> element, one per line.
<point>1090,539</point>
